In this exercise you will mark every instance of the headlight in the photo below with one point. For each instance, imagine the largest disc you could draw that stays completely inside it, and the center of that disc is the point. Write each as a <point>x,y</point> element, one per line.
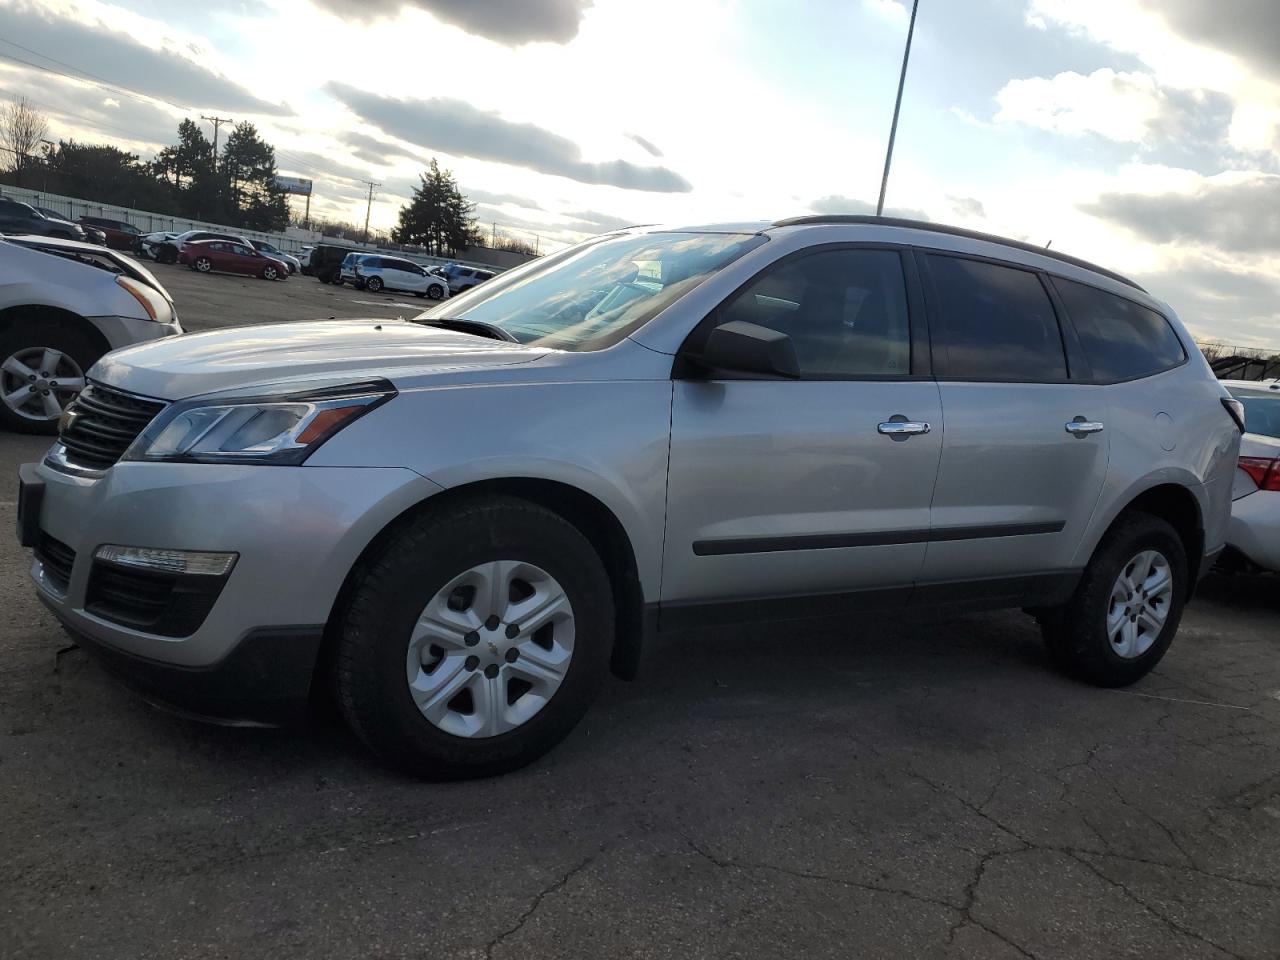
<point>156,306</point>
<point>282,429</point>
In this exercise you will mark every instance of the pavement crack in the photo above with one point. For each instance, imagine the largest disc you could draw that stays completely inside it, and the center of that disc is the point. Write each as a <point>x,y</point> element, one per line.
<point>746,865</point>
<point>545,892</point>
<point>1164,918</point>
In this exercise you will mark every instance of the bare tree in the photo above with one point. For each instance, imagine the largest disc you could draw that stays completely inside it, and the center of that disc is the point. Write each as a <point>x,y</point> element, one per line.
<point>22,127</point>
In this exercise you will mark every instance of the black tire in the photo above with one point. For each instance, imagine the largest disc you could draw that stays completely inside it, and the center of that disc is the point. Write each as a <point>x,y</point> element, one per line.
<point>435,292</point>
<point>1075,634</point>
<point>270,273</point>
<point>395,583</point>
<point>24,335</point>
<point>167,254</point>
<point>202,264</point>
<point>374,284</point>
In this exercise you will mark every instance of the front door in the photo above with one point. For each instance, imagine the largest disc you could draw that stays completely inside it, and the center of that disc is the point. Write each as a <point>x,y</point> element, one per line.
<point>1016,487</point>
<point>806,489</point>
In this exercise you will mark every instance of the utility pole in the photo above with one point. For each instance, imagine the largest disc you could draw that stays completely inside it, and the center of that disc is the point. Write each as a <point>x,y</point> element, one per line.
<point>897,106</point>
<point>493,237</point>
<point>217,122</point>
<point>369,207</point>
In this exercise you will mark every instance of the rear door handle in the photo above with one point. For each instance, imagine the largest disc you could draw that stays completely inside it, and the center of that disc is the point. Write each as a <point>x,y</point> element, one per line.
<point>1081,426</point>
<point>903,428</point>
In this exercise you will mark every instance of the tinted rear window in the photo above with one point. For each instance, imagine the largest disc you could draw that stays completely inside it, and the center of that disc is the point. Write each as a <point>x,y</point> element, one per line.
<point>1121,339</point>
<point>994,323</point>
<point>1261,414</point>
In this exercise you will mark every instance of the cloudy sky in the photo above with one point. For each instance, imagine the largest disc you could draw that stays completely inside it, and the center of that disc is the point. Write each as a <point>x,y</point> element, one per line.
<point>1143,134</point>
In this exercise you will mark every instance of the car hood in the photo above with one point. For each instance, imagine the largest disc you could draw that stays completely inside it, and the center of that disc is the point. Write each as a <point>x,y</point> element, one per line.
<point>194,364</point>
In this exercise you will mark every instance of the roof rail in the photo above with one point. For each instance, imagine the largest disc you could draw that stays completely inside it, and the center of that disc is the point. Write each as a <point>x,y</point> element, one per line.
<point>850,218</point>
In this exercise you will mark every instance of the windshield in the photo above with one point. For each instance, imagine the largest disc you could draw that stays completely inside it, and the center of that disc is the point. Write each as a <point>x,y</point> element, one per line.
<point>1261,414</point>
<point>592,295</point>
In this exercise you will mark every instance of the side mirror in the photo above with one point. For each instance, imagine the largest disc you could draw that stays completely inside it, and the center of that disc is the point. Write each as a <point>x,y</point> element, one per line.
<point>743,347</point>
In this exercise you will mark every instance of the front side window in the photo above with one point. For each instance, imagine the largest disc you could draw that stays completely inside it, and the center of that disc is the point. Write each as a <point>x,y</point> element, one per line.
<point>592,295</point>
<point>1122,340</point>
<point>992,323</point>
<point>845,312</point>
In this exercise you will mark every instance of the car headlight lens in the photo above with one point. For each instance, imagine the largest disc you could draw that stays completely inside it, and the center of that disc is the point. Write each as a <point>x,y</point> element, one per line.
<point>271,430</point>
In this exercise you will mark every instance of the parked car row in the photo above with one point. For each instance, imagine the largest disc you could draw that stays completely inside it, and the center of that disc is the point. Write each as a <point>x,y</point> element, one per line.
<point>337,264</point>
<point>17,217</point>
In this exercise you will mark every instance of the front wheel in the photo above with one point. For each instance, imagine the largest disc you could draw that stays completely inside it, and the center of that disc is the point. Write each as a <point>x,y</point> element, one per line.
<point>203,264</point>
<point>374,284</point>
<point>474,639</point>
<point>42,368</point>
<point>435,292</point>
<point>166,255</point>
<point>270,273</point>
<point>1126,609</point>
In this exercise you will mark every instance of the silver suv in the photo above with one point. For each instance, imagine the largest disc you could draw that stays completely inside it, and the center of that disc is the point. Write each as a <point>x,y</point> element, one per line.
<point>459,523</point>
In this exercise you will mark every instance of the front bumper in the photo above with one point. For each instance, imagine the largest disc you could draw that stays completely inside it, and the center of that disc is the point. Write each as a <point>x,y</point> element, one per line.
<point>297,530</point>
<point>1254,529</point>
<point>127,331</point>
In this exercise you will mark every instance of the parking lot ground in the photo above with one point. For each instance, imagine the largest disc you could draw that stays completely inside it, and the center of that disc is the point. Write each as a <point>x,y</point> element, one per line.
<point>871,788</point>
<point>210,301</point>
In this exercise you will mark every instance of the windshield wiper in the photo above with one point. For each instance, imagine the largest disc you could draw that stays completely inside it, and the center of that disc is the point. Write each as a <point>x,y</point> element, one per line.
<point>475,327</point>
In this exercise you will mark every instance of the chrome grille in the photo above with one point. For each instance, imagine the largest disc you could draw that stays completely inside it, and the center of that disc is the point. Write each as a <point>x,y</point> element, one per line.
<point>101,423</point>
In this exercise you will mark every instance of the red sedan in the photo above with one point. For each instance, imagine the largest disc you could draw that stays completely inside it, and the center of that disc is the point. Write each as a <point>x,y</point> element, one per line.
<point>226,256</point>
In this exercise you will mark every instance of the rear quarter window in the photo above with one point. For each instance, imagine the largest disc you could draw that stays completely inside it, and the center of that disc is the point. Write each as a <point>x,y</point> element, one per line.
<point>1122,340</point>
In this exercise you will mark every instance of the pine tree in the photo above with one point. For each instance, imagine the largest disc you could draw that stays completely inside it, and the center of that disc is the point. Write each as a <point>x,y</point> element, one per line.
<point>438,216</point>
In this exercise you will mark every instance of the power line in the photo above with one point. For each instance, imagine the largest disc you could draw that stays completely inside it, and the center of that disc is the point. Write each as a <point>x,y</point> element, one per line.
<point>368,208</point>
<point>217,122</point>
<point>140,98</point>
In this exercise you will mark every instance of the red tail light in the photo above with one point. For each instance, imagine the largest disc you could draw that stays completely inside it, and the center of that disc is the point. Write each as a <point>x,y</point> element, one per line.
<point>1264,471</point>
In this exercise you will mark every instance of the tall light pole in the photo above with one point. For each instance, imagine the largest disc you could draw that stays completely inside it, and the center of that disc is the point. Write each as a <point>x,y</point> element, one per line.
<point>897,106</point>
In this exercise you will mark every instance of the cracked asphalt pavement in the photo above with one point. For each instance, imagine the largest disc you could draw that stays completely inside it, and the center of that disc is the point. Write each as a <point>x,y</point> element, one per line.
<point>889,788</point>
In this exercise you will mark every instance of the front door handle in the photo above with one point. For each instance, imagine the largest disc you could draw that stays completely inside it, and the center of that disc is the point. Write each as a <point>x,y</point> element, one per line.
<point>903,428</point>
<point>1080,426</point>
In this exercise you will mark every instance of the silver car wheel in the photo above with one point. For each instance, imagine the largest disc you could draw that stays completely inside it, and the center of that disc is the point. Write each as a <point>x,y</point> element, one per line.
<point>490,649</point>
<point>1139,605</point>
<point>37,382</point>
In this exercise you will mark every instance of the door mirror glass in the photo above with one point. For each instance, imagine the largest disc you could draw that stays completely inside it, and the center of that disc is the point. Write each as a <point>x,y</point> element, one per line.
<point>742,347</point>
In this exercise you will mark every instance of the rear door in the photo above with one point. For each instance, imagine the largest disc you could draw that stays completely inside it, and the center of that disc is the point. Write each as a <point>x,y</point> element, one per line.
<point>785,489</point>
<point>1024,454</point>
<point>243,259</point>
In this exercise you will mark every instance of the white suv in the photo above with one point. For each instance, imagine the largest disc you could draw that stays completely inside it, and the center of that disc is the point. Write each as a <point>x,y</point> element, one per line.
<point>376,272</point>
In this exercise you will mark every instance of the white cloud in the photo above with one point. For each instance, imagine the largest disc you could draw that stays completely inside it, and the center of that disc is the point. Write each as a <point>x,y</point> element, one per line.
<point>1118,106</point>
<point>894,11</point>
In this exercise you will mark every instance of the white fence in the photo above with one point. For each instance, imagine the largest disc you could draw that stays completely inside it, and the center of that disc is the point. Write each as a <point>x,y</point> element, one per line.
<point>290,241</point>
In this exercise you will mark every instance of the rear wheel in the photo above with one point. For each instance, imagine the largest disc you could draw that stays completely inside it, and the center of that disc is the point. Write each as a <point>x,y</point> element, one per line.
<point>474,639</point>
<point>374,284</point>
<point>1127,607</point>
<point>42,368</point>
